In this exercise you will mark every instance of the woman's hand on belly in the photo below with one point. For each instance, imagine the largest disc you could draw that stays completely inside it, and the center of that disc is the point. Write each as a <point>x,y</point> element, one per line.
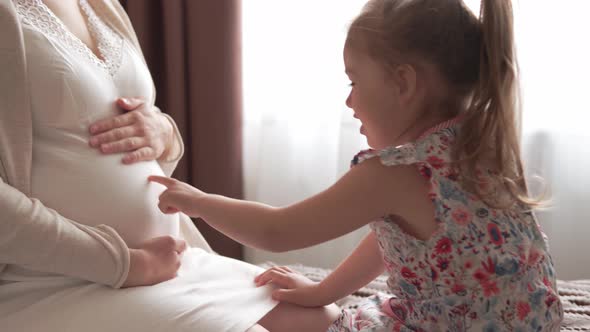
<point>141,133</point>
<point>156,260</point>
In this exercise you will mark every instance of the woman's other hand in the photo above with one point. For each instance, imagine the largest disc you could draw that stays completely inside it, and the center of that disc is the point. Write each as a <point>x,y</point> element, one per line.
<point>295,288</point>
<point>178,197</point>
<point>140,132</point>
<point>156,260</point>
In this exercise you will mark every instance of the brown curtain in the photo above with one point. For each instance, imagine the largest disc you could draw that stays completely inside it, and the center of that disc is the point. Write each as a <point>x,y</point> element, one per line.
<point>193,49</point>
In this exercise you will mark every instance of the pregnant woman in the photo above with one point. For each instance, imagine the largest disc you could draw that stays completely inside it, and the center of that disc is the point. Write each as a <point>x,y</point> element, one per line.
<point>77,214</point>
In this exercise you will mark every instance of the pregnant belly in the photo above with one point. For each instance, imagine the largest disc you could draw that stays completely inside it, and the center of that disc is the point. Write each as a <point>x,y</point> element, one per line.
<point>90,188</point>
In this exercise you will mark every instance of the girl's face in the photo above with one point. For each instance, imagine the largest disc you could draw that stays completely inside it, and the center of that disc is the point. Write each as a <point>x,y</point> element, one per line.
<point>377,99</point>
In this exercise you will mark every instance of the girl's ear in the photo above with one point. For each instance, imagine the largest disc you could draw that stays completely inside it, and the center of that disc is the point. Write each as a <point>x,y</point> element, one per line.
<point>406,82</point>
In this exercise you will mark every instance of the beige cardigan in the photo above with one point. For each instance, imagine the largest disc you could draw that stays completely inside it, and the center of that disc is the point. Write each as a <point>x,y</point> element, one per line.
<point>32,235</point>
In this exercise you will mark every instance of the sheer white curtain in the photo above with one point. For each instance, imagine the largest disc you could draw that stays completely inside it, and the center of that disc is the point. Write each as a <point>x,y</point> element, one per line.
<point>553,40</point>
<point>299,136</point>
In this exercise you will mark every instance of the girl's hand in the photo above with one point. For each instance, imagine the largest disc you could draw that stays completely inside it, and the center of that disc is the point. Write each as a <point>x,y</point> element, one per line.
<point>296,288</point>
<point>156,260</point>
<point>144,134</point>
<point>179,197</point>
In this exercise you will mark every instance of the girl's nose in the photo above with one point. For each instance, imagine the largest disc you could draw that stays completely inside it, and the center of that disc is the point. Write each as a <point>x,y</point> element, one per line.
<point>349,100</point>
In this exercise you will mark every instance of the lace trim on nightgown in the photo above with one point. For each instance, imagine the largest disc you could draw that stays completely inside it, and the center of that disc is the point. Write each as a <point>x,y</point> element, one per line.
<point>110,44</point>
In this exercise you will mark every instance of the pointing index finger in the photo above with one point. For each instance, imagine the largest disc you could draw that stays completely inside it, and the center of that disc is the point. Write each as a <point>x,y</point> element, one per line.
<point>163,180</point>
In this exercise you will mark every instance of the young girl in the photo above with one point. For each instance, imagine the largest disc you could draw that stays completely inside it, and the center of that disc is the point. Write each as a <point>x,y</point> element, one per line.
<point>442,187</point>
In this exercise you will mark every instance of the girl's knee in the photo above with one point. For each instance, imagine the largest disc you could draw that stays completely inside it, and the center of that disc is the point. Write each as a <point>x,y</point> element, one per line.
<point>287,317</point>
<point>333,312</point>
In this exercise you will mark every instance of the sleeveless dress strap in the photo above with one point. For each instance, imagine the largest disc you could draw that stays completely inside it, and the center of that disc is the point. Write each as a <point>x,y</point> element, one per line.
<point>429,149</point>
<point>390,156</point>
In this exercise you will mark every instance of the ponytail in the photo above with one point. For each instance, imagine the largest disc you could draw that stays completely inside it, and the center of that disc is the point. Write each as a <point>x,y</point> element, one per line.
<point>490,134</point>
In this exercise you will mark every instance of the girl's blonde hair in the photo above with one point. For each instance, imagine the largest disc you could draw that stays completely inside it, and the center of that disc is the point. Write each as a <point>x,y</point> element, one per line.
<point>475,58</point>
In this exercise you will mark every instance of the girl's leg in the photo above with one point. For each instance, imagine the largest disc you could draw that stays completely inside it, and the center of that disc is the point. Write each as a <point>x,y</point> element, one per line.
<point>257,328</point>
<point>286,317</point>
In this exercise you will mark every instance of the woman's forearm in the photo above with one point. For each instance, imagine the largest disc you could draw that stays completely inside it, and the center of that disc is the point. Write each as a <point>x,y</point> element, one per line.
<point>36,237</point>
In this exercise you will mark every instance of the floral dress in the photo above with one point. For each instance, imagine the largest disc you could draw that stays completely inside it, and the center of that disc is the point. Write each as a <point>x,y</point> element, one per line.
<point>483,269</point>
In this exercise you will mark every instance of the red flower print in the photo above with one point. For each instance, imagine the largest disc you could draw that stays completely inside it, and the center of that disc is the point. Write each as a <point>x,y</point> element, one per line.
<point>489,266</point>
<point>454,176</point>
<point>550,300</point>
<point>417,284</point>
<point>398,311</point>
<point>523,309</point>
<point>426,172</point>
<point>534,257</point>
<point>443,246</point>
<point>480,275</point>
<point>458,288</point>
<point>407,273</point>
<point>547,283</point>
<point>507,315</point>
<point>462,216</point>
<point>460,310</point>
<point>443,264</point>
<point>490,288</point>
<point>468,265</point>
<point>495,234</point>
<point>435,161</point>
<point>433,274</point>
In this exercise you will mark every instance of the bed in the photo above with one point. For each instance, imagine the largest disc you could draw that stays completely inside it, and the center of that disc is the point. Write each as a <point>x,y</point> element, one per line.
<point>575,296</point>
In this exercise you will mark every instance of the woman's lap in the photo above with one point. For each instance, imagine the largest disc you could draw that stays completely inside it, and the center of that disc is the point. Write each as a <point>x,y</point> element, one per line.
<point>211,293</point>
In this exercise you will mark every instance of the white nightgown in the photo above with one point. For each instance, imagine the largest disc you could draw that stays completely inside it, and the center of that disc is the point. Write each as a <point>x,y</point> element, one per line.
<point>70,88</point>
